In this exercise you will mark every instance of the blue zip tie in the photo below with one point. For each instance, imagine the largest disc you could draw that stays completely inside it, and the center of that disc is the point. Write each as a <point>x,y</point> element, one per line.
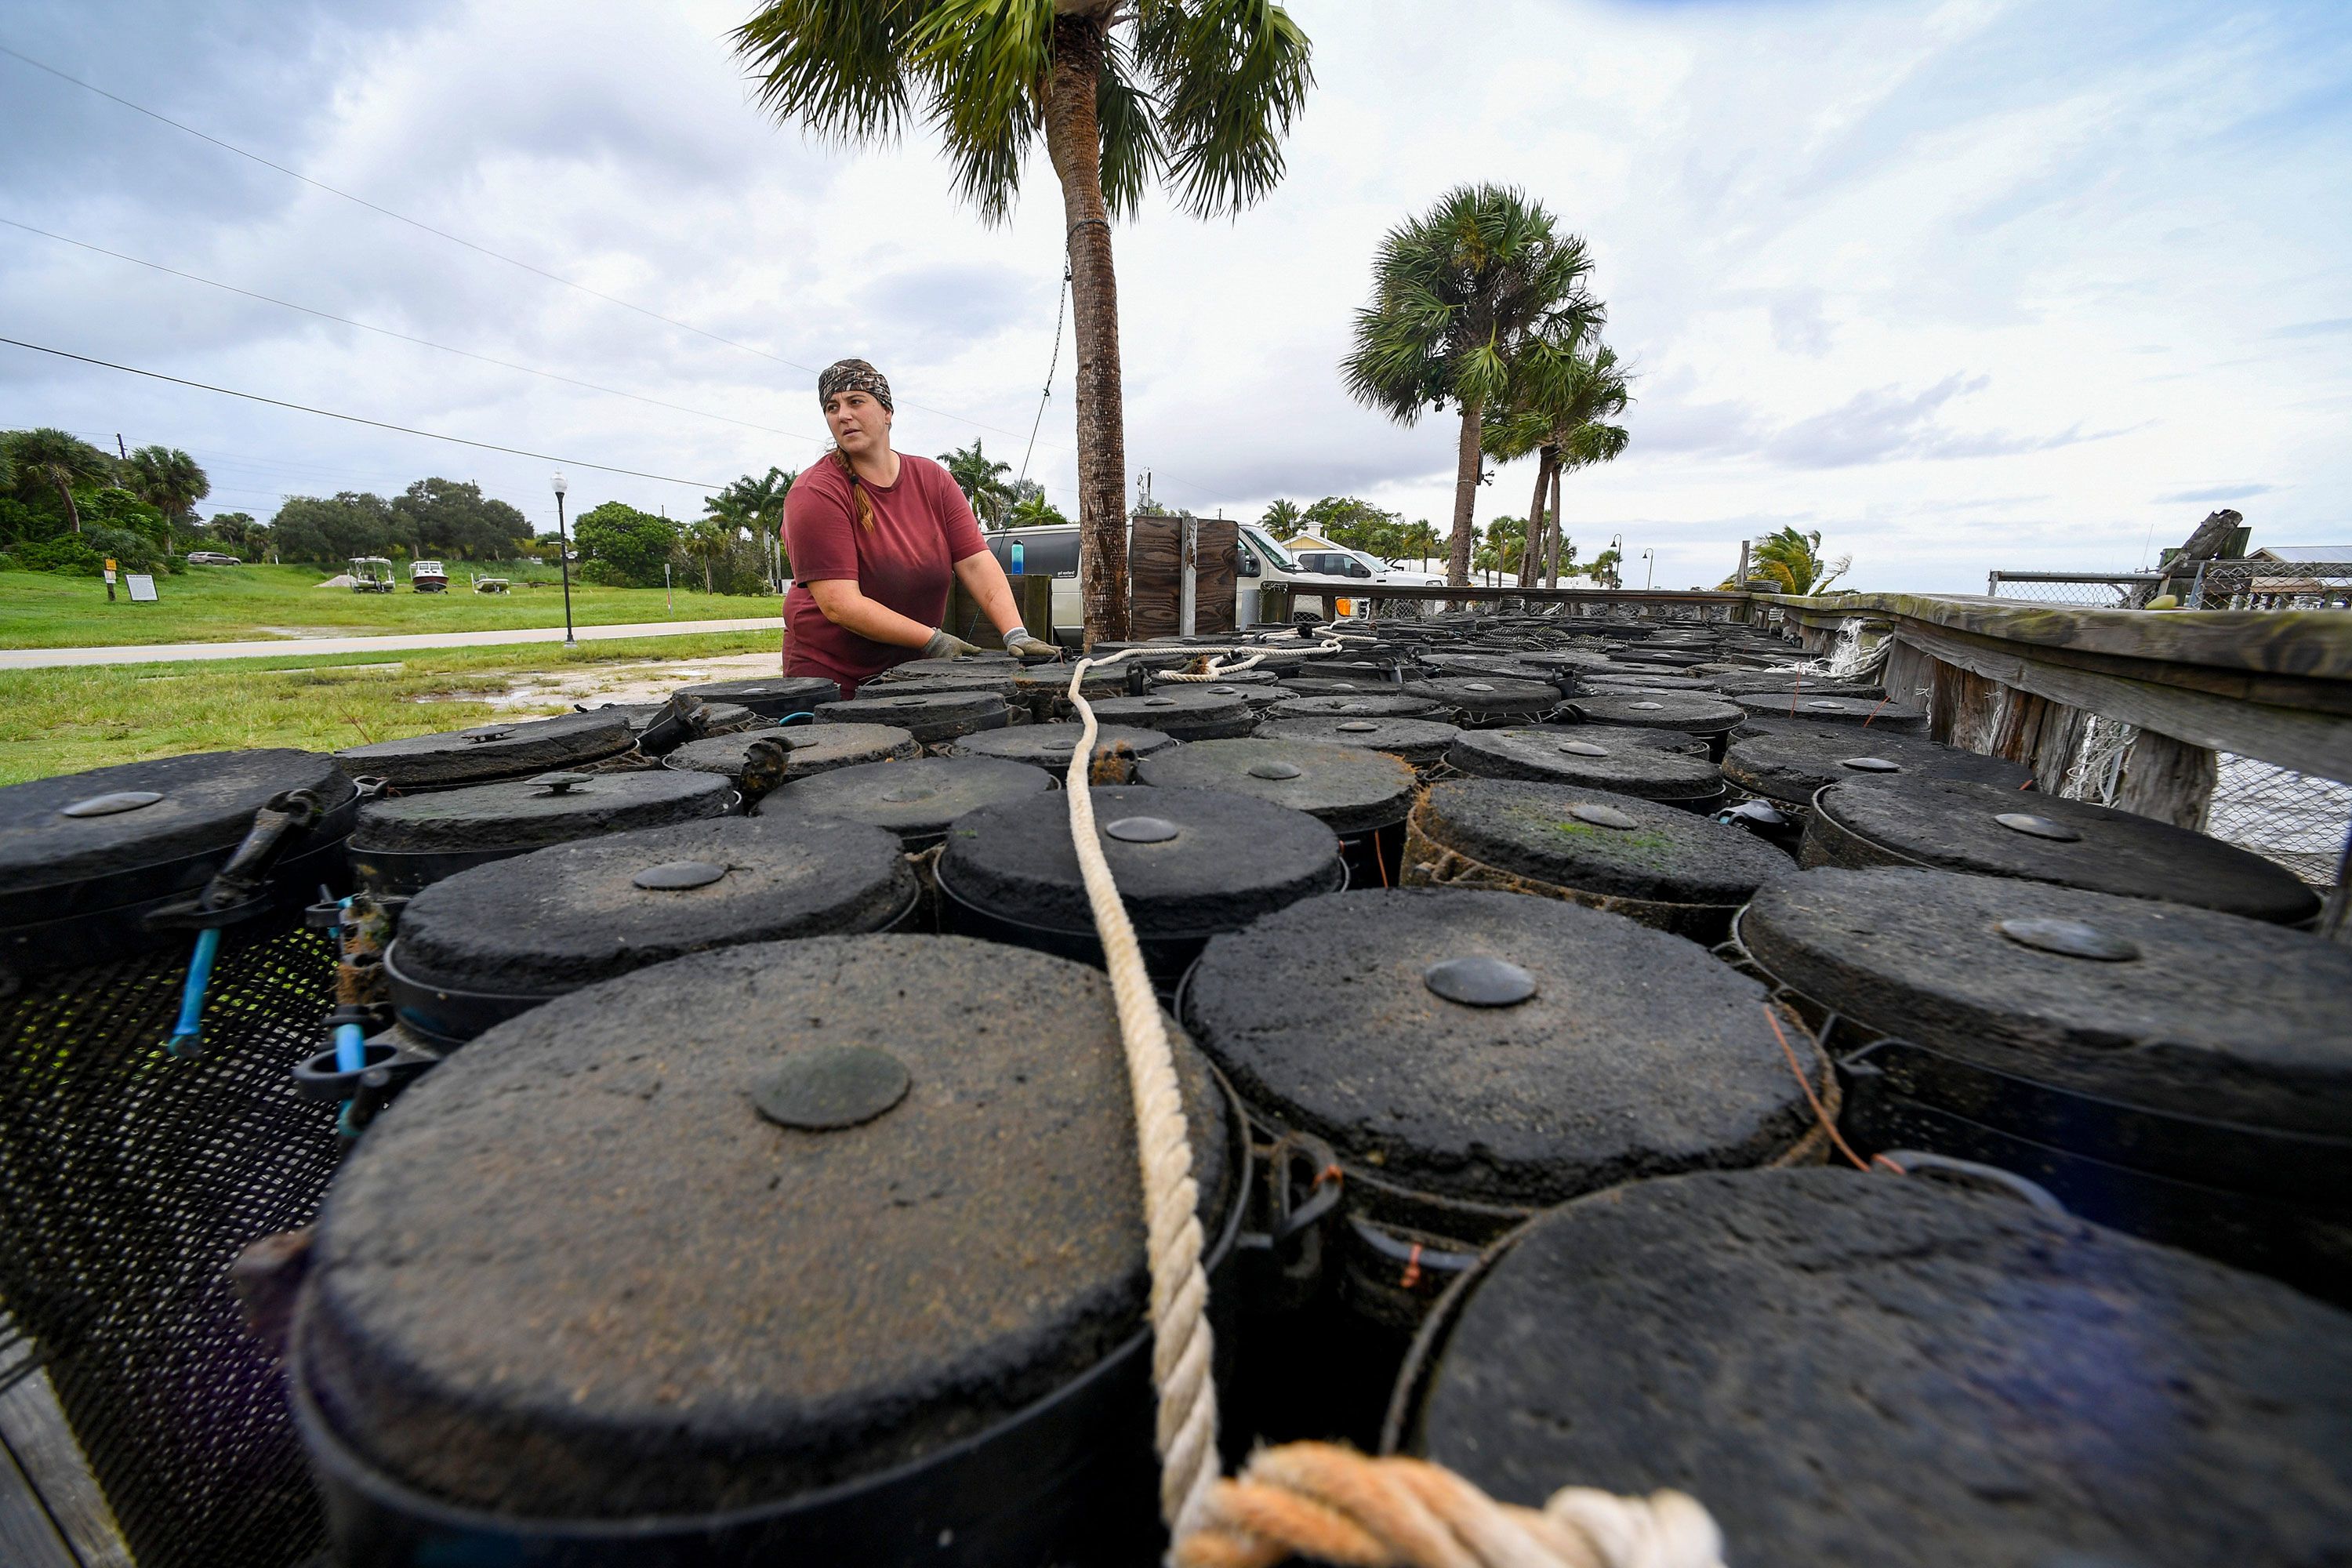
<point>192,995</point>
<point>790,717</point>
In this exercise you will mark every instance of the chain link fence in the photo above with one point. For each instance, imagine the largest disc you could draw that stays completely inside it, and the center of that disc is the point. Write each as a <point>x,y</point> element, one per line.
<point>2299,820</point>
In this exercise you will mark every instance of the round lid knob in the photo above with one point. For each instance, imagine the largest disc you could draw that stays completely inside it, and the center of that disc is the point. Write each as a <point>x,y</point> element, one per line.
<point>1274,770</point>
<point>675,876</point>
<point>908,703</point>
<point>1479,981</point>
<point>2068,939</point>
<point>560,783</point>
<point>1355,708</point>
<point>832,1087</point>
<point>490,734</point>
<point>1141,830</point>
<point>1647,707</point>
<point>1224,690</point>
<point>1870,765</point>
<point>1358,726</point>
<point>1601,815</point>
<point>1159,702</point>
<point>112,804</point>
<point>906,793</point>
<point>2036,827</point>
<point>1477,686</point>
<point>1583,749</point>
<point>1824,702</point>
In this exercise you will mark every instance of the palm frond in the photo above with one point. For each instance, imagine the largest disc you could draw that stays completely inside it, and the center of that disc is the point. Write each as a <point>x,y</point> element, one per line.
<point>1133,149</point>
<point>833,66</point>
<point>985,63</point>
<point>1232,78</point>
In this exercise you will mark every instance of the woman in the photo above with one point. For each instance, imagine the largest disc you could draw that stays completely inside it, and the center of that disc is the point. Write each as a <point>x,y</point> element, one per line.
<point>873,536</point>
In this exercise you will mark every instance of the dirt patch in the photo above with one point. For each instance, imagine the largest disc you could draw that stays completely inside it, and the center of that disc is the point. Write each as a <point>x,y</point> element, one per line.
<point>649,681</point>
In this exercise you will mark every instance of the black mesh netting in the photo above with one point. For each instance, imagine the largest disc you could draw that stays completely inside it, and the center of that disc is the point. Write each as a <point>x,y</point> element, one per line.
<point>129,1181</point>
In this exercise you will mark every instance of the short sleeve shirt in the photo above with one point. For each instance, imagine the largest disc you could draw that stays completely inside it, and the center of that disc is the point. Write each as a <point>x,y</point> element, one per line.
<point>922,527</point>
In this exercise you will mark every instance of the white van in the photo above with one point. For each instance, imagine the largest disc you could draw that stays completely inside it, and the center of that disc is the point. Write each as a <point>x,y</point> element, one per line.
<point>1321,555</point>
<point>1053,551</point>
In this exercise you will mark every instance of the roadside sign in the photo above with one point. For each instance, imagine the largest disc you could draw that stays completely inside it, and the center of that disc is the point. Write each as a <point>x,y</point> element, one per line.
<point>110,572</point>
<point>142,588</point>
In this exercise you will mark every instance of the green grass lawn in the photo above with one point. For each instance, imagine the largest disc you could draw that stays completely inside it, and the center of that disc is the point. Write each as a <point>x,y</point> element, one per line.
<point>235,603</point>
<point>66,721</point>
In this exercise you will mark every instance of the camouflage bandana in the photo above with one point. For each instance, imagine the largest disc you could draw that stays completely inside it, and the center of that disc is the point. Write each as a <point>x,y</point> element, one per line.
<point>852,376</point>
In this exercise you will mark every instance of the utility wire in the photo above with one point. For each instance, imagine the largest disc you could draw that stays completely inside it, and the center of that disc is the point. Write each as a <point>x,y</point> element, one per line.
<point>459,239</point>
<point>405,337</point>
<point>705,486</point>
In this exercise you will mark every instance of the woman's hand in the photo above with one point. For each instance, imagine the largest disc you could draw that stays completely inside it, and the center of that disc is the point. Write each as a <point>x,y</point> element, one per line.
<point>946,645</point>
<point>1027,649</point>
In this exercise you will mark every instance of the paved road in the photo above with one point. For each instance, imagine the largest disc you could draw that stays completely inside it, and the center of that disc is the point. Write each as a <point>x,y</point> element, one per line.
<point>278,647</point>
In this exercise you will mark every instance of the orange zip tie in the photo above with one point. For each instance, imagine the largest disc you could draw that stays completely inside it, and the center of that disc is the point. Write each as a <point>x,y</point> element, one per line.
<point>1873,713</point>
<point>1412,1270</point>
<point>1820,1114</point>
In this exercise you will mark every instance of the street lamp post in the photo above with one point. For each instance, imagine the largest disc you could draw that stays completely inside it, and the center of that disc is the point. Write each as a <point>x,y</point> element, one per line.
<point>1649,568</point>
<point>563,558</point>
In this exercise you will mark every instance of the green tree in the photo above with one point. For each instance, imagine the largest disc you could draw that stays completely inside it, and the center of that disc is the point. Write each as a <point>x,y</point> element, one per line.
<point>1793,561</point>
<point>1032,509</point>
<point>707,541</point>
<point>757,504</point>
<point>981,481</point>
<point>1502,547</point>
<point>1198,94</point>
<point>169,480</point>
<point>1558,412</point>
<point>1280,519</point>
<point>330,530</point>
<point>61,461</point>
<point>452,520</point>
<point>1356,524</point>
<point>233,529</point>
<point>1467,299</point>
<point>624,546</point>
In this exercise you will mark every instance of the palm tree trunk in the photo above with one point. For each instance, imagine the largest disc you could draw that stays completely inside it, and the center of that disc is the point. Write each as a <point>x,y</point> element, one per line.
<point>65,493</point>
<point>1532,551</point>
<point>1074,140</point>
<point>1555,467</point>
<point>1465,499</point>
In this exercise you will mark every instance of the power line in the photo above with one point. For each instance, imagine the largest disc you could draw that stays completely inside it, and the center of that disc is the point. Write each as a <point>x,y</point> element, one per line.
<point>459,239</point>
<point>405,337</point>
<point>704,485</point>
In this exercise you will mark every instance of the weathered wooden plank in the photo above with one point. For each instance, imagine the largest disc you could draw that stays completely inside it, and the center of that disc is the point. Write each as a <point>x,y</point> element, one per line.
<point>1155,570</point>
<point>2290,738</point>
<point>27,1539</point>
<point>42,1446</point>
<point>2168,780</point>
<point>1215,575</point>
<point>2312,643</point>
<point>2055,750</point>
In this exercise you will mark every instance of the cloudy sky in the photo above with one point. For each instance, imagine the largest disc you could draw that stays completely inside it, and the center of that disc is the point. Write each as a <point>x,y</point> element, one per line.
<point>1962,285</point>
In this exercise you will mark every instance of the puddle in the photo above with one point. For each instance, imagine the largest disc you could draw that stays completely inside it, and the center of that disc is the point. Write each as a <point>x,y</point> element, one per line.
<point>636,682</point>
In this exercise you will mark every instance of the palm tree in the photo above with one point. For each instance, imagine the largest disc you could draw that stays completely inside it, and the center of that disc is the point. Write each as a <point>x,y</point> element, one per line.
<point>1468,298</point>
<point>1793,561</point>
<point>982,481</point>
<point>1558,413</point>
<point>1032,509</point>
<point>757,504</point>
<point>62,460</point>
<point>1199,93</point>
<point>169,480</point>
<point>1281,519</point>
<point>707,540</point>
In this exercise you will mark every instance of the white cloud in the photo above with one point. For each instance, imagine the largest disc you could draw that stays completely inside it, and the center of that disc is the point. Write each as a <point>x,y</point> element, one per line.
<point>1961,285</point>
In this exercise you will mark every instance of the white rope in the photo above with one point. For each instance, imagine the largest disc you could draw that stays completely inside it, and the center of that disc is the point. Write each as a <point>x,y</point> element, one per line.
<point>1409,1513</point>
<point>1216,669</point>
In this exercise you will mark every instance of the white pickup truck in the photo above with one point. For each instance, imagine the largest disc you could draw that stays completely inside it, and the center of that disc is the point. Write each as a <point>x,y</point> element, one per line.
<point>1053,551</point>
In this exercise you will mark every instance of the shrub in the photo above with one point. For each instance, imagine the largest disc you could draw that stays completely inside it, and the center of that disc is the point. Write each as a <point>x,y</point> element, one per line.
<point>69,552</point>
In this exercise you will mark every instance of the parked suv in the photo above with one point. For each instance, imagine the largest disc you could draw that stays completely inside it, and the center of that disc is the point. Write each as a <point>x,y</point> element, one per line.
<point>1339,561</point>
<point>212,558</point>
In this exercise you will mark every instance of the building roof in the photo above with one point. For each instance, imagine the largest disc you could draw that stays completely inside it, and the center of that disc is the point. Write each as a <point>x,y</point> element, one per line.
<point>2306,552</point>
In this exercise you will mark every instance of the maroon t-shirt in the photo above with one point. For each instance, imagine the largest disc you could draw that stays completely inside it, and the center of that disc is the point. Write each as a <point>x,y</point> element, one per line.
<point>922,527</point>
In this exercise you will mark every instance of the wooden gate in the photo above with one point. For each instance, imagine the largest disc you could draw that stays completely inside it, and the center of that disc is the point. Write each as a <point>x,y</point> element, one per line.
<point>1180,570</point>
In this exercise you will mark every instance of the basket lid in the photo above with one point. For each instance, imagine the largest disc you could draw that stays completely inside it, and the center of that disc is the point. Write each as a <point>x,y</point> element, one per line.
<point>1494,1047</point>
<point>1957,826</point>
<point>1689,712</point>
<point>808,748</point>
<point>1395,703</point>
<point>1842,1367</point>
<point>927,715</point>
<point>1474,693</point>
<point>2083,991</point>
<point>79,826</point>
<point>1348,791</point>
<point>1051,746</point>
<point>1594,756</point>
<point>1790,763</point>
<point>1188,861</point>
<point>1874,713</point>
<point>496,750</point>
<point>567,916</point>
<point>740,1226</point>
<point>1417,741</point>
<point>915,799</point>
<point>771,696</point>
<point>1597,842</point>
<point>552,808</point>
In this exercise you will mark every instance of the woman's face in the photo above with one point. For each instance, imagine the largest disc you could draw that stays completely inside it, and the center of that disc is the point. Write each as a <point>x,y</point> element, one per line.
<point>860,424</point>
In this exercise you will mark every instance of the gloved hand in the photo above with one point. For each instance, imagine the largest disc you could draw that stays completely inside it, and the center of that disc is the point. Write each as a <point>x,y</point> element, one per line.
<point>945,644</point>
<point>1029,649</point>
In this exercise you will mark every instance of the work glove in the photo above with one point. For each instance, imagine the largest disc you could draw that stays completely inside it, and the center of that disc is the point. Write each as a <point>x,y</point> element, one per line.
<point>1029,649</point>
<point>945,644</point>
